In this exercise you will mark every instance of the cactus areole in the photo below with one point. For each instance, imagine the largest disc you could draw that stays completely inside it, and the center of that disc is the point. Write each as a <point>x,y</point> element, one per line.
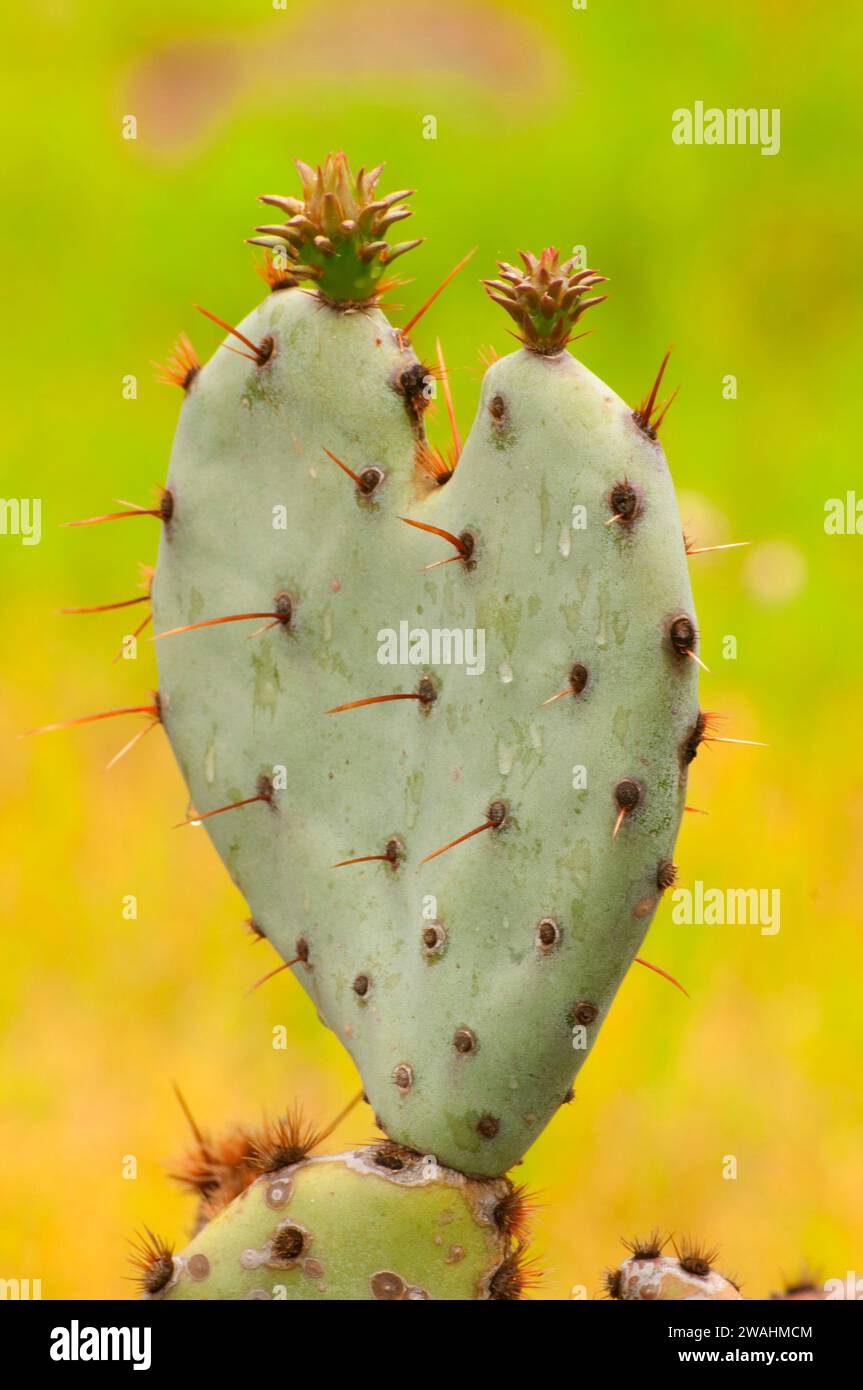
<point>469,852</point>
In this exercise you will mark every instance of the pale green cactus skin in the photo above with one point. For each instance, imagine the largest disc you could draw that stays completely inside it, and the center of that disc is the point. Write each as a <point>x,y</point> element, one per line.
<point>548,436</point>
<point>342,1228</point>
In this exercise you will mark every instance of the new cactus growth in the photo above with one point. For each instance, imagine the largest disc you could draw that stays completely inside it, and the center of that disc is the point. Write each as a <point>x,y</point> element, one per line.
<point>335,234</point>
<point>545,299</point>
<point>373,1223</point>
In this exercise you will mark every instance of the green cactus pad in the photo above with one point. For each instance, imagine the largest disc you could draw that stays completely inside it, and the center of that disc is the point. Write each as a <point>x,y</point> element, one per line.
<point>468,984</point>
<point>369,1224</point>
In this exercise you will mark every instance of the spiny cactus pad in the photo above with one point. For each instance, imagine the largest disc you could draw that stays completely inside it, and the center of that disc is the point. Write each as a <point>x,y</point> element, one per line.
<point>654,1277</point>
<point>374,1223</point>
<point>467,982</point>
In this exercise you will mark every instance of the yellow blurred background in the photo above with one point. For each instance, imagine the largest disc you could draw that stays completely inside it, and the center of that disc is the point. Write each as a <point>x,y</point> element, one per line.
<point>553,125</point>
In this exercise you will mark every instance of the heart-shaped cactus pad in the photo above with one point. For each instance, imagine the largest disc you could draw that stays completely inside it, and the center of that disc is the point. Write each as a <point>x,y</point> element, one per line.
<point>444,759</point>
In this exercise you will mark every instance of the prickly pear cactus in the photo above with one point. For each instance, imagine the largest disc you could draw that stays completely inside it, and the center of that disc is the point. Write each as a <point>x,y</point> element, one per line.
<point>687,1275</point>
<point>374,1223</point>
<point>459,865</point>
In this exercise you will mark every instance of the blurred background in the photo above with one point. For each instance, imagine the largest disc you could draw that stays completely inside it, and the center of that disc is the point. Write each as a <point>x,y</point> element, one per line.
<point>553,125</point>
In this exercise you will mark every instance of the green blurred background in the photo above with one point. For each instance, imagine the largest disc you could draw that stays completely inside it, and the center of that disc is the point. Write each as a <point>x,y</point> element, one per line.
<point>553,125</point>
